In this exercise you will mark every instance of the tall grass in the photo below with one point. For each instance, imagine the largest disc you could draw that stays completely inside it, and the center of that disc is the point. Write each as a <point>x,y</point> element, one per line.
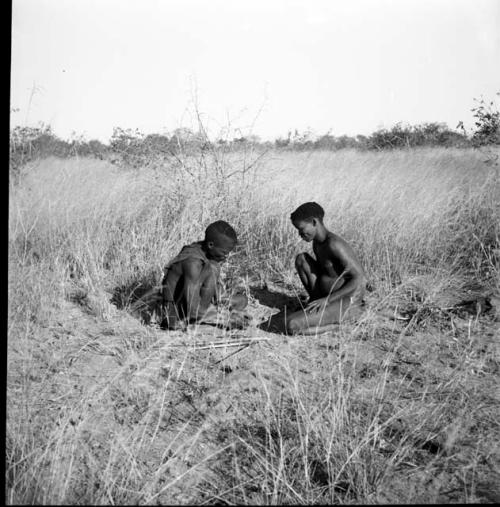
<point>426,225</point>
<point>401,210</point>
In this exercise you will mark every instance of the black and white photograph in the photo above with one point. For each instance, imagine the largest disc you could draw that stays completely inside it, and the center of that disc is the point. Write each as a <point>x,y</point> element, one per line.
<point>253,252</point>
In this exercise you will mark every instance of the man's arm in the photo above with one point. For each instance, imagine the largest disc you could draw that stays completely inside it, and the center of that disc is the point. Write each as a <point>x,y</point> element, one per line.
<point>192,283</point>
<point>353,272</point>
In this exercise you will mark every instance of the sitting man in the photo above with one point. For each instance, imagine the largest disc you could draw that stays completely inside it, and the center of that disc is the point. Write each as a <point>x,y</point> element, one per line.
<point>190,283</point>
<point>335,280</point>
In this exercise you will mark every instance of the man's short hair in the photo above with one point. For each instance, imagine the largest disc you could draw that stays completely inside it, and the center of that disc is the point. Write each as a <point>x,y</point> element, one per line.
<point>308,211</point>
<point>216,229</point>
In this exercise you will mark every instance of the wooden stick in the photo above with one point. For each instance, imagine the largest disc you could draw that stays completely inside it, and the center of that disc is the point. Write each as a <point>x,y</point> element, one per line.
<point>227,344</point>
<point>232,354</point>
<point>221,342</point>
<point>233,340</point>
<point>196,343</point>
<point>227,340</point>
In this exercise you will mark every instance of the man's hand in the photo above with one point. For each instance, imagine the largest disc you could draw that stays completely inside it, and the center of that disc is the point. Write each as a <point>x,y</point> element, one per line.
<point>317,305</point>
<point>180,325</point>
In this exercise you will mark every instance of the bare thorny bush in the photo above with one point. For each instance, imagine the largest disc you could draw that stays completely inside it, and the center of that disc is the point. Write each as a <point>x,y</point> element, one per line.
<point>167,197</point>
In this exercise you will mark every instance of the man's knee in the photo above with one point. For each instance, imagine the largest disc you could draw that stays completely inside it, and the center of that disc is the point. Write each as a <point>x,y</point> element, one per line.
<point>301,261</point>
<point>208,287</point>
<point>208,276</point>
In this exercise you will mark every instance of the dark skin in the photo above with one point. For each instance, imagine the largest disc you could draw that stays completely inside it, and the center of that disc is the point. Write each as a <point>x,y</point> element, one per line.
<point>192,285</point>
<point>335,280</point>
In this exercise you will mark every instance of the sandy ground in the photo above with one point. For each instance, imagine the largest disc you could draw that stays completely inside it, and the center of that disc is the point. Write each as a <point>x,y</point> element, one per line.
<point>117,380</point>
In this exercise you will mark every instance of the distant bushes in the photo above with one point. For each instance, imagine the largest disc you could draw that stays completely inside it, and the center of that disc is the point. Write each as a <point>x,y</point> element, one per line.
<point>126,146</point>
<point>427,134</point>
<point>399,136</point>
<point>133,148</point>
<point>486,132</point>
<point>32,143</point>
<point>487,123</point>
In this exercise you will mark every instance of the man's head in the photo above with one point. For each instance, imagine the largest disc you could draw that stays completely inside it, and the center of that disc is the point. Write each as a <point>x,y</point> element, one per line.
<point>220,240</point>
<point>306,219</point>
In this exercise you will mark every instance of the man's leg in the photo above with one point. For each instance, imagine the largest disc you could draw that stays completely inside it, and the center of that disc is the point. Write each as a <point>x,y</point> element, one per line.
<point>230,316</point>
<point>172,310</point>
<point>172,316</point>
<point>208,288</point>
<point>309,272</point>
<point>176,311</point>
<point>313,322</point>
<point>176,316</point>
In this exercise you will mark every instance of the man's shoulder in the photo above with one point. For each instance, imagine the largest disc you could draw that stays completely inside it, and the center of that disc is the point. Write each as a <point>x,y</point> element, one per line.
<point>338,245</point>
<point>188,252</point>
<point>191,264</point>
<point>192,261</point>
<point>334,240</point>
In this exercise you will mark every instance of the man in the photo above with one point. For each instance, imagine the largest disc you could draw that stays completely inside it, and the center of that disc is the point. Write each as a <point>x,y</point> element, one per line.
<point>191,279</point>
<point>335,280</point>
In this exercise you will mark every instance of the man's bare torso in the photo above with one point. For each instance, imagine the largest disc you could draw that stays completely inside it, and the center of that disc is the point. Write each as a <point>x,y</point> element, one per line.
<point>329,262</point>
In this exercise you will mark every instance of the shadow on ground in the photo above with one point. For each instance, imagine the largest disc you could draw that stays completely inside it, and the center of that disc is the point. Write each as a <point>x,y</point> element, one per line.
<point>141,298</point>
<point>285,303</point>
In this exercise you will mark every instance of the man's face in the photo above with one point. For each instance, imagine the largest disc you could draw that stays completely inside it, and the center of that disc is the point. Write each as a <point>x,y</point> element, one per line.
<point>306,228</point>
<point>220,248</point>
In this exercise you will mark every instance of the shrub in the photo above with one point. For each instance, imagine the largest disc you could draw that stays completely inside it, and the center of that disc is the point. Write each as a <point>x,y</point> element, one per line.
<point>487,123</point>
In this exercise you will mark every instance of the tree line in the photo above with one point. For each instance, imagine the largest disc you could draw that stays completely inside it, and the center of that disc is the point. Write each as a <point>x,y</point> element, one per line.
<point>133,147</point>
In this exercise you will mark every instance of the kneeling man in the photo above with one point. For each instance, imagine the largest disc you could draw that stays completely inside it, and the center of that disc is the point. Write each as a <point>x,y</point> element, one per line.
<point>334,280</point>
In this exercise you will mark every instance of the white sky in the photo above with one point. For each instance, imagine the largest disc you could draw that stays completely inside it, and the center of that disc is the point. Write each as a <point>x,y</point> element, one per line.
<point>350,66</point>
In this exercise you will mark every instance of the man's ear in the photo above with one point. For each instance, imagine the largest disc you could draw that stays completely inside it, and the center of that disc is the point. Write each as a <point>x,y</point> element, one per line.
<point>314,221</point>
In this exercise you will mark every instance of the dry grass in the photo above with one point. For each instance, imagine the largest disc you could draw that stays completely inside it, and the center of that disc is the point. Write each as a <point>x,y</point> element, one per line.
<point>104,410</point>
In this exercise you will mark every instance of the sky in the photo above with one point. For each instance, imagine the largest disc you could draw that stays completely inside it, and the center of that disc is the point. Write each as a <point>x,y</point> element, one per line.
<point>256,66</point>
